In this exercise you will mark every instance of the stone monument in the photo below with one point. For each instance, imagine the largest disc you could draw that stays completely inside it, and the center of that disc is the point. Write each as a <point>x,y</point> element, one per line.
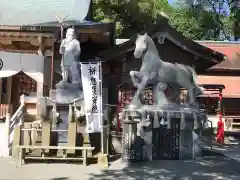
<point>164,122</point>
<point>70,49</point>
<point>66,102</point>
<point>70,87</point>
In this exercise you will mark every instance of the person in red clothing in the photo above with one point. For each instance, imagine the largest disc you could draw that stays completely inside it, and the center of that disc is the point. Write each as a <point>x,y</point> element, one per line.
<point>220,131</point>
<point>220,124</point>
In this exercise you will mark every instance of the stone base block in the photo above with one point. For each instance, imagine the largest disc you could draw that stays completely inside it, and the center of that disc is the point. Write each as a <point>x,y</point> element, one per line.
<point>103,160</point>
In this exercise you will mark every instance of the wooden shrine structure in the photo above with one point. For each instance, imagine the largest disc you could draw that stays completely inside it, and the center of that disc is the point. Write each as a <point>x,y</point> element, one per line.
<point>173,47</point>
<point>97,40</point>
<point>44,40</point>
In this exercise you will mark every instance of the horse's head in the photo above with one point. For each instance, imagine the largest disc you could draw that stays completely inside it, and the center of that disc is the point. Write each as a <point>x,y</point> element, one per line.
<point>140,45</point>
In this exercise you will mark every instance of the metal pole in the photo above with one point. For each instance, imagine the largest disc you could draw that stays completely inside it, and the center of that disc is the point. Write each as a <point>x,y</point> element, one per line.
<point>101,110</point>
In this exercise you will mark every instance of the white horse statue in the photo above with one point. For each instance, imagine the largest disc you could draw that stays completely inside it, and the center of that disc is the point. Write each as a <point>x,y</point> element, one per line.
<point>159,74</point>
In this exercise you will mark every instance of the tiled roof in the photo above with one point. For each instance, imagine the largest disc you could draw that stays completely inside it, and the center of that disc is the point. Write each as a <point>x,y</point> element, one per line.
<point>25,12</point>
<point>230,49</point>
<point>208,57</point>
<point>69,22</point>
<point>228,81</point>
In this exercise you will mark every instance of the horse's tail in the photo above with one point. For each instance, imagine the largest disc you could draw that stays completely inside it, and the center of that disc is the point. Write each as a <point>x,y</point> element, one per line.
<point>200,90</point>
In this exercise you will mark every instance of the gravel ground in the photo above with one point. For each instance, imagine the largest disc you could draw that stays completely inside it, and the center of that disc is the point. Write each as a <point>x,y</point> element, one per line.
<point>211,167</point>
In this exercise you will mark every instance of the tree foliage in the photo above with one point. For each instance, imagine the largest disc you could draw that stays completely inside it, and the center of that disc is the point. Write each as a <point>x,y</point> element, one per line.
<point>196,19</point>
<point>131,16</point>
<point>213,17</point>
<point>235,17</point>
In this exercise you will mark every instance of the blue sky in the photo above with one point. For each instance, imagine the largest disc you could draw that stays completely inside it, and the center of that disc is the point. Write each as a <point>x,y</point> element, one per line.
<point>174,1</point>
<point>170,1</point>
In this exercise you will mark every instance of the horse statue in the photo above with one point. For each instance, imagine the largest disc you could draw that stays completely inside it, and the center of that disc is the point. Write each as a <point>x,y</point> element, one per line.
<point>154,71</point>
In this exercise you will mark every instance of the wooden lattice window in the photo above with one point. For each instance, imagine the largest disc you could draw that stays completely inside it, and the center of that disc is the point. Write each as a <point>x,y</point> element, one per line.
<point>27,84</point>
<point>125,96</point>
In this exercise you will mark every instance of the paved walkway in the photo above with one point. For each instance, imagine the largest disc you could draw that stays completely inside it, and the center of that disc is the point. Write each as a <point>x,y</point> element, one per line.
<point>230,149</point>
<point>214,168</point>
<point>210,167</point>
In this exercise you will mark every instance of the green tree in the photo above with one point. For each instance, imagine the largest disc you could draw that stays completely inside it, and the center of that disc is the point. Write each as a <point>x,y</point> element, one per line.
<point>131,16</point>
<point>235,17</point>
<point>184,21</point>
<point>214,23</point>
<point>195,19</point>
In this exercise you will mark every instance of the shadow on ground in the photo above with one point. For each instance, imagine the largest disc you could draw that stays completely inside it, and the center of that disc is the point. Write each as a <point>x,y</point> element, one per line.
<point>208,168</point>
<point>211,167</point>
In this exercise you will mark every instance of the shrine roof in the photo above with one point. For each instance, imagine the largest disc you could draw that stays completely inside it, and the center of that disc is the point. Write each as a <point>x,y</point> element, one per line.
<point>76,23</point>
<point>207,56</point>
<point>212,86</point>
<point>231,49</point>
<point>53,25</point>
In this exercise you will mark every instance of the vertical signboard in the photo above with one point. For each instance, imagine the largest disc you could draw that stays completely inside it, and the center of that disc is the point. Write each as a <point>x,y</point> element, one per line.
<point>92,90</point>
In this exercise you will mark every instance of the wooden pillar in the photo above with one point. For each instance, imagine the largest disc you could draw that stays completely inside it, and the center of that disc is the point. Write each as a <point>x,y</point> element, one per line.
<point>16,141</point>
<point>46,124</point>
<point>106,139</point>
<point>41,51</point>
<point>72,130</point>
<point>54,49</point>
<point>46,132</point>
<point>27,135</point>
<point>9,90</point>
<point>40,45</point>
<point>39,95</point>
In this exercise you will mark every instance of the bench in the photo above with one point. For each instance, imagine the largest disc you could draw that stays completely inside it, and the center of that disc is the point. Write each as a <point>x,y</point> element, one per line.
<point>22,153</point>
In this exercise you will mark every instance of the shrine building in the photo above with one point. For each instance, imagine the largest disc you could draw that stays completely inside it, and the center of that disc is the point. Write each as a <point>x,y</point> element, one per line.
<point>31,62</point>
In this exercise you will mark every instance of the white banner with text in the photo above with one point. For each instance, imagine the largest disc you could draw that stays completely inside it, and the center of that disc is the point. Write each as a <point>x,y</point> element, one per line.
<point>91,82</point>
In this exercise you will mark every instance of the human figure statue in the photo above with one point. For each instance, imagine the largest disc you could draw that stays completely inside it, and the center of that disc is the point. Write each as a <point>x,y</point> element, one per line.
<point>70,49</point>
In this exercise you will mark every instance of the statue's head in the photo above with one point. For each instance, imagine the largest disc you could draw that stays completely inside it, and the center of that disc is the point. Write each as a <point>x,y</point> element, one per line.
<point>70,34</point>
<point>140,45</point>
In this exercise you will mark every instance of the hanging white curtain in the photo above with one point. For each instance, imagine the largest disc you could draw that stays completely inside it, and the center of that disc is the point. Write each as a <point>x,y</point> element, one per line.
<point>32,65</point>
<point>10,64</point>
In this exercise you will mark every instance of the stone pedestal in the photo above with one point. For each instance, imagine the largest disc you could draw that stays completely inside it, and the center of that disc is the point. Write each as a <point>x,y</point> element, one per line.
<point>103,160</point>
<point>66,93</point>
<point>171,134</point>
<point>130,150</point>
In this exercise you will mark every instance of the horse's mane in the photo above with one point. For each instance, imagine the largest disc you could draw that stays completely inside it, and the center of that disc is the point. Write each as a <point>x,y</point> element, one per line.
<point>152,45</point>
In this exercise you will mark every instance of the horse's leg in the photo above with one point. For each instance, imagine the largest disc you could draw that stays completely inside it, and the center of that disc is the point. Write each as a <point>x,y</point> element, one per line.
<point>185,81</point>
<point>136,99</point>
<point>159,94</point>
<point>192,95</point>
<point>136,77</point>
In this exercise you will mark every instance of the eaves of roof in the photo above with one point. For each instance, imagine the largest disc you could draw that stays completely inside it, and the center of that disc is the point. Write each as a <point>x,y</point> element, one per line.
<point>209,55</point>
<point>54,25</point>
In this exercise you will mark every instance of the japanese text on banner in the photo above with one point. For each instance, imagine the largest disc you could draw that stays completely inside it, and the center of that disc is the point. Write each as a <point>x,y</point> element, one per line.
<point>92,96</point>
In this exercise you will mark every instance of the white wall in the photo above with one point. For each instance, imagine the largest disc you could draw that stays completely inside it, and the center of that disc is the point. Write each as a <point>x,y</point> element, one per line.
<point>3,140</point>
<point>214,119</point>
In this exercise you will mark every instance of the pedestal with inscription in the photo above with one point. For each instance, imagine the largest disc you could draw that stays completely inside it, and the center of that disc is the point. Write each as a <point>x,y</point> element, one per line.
<point>166,134</point>
<point>131,147</point>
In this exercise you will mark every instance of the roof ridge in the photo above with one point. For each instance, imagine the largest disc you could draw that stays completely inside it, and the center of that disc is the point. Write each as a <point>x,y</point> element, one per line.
<point>218,42</point>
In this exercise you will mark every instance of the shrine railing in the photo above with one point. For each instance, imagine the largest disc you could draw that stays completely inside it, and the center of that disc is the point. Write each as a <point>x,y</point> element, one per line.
<point>5,109</point>
<point>12,122</point>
